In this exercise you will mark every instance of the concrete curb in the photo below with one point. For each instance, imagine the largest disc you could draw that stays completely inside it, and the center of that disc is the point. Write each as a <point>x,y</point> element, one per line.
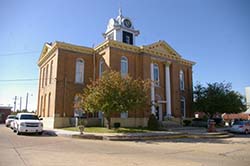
<point>217,135</point>
<point>156,135</point>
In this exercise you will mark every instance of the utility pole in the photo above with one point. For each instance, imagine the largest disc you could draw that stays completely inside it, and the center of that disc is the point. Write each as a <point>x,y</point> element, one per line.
<point>15,103</point>
<point>27,99</point>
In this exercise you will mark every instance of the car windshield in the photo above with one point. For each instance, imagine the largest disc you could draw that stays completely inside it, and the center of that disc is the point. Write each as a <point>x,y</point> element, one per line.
<point>30,117</point>
<point>11,117</point>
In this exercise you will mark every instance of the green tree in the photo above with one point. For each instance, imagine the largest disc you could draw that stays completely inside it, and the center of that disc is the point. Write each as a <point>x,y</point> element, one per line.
<point>112,93</point>
<point>217,98</point>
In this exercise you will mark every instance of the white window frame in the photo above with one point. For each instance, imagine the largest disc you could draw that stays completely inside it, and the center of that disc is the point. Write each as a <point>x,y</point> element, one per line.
<point>101,67</point>
<point>156,75</point>
<point>124,115</point>
<point>79,75</point>
<point>182,83</point>
<point>124,64</point>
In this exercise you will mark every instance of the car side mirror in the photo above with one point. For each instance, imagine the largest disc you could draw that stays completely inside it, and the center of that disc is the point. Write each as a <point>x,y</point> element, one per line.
<point>40,118</point>
<point>16,118</point>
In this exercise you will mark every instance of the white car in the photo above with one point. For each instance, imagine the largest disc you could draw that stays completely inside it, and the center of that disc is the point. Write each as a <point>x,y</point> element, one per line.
<point>241,127</point>
<point>27,123</point>
<point>12,123</point>
<point>9,119</point>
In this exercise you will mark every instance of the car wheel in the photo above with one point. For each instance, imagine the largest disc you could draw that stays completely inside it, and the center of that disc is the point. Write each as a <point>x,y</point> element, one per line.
<point>18,132</point>
<point>246,131</point>
<point>40,133</point>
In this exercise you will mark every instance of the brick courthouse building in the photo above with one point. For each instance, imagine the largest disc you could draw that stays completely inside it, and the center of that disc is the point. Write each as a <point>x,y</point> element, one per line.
<point>65,69</point>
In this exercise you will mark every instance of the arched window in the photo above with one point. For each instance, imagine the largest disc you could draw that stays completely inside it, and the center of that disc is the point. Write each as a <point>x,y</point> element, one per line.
<point>101,67</point>
<point>182,80</point>
<point>183,107</point>
<point>124,66</point>
<point>156,74</point>
<point>79,77</point>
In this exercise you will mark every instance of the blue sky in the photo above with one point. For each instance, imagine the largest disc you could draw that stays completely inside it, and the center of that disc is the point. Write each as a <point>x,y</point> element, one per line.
<point>213,33</point>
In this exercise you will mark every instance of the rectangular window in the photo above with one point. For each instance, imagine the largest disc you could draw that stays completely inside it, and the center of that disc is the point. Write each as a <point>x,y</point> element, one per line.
<point>51,71</point>
<point>46,75</point>
<point>127,37</point>
<point>101,67</point>
<point>124,115</point>
<point>124,66</point>
<point>79,77</point>
<point>43,77</point>
<point>44,106</point>
<point>49,104</point>
<point>182,80</point>
<point>41,107</point>
<point>156,75</point>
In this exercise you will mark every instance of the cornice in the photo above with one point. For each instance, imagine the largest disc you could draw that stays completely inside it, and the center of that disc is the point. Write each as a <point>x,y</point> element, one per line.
<point>46,52</point>
<point>173,55</point>
<point>44,55</point>
<point>144,49</point>
<point>116,44</point>
<point>75,48</point>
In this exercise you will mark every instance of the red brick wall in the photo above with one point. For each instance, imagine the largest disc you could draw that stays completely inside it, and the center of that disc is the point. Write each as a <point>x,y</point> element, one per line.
<point>3,114</point>
<point>139,67</point>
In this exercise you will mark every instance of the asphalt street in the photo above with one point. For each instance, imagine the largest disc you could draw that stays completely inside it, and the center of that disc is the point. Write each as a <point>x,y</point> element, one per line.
<point>32,150</point>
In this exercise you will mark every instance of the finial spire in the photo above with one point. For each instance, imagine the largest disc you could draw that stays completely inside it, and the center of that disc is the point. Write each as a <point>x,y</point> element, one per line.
<point>120,11</point>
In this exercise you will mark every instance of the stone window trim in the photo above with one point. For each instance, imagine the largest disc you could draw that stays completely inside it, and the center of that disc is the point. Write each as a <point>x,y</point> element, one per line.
<point>124,66</point>
<point>156,75</point>
<point>182,83</point>
<point>124,115</point>
<point>101,67</point>
<point>79,71</point>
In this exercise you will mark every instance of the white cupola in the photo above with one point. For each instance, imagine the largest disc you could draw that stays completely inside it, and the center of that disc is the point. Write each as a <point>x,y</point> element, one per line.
<point>121,29</point>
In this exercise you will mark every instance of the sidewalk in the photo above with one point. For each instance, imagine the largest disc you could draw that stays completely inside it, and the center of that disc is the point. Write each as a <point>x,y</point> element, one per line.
<point>183,132</point>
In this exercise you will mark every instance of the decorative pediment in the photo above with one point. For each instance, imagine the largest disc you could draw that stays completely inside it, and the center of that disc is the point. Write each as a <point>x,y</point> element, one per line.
<point>49,48</point>
<point>46,48</point>
<point>163,47</point>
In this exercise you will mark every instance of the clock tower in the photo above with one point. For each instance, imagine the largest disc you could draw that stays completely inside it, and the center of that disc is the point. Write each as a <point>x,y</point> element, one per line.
<point>121,29</point>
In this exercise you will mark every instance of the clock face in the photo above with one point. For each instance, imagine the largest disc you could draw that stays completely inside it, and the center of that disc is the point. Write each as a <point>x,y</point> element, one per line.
<point>127,23</point>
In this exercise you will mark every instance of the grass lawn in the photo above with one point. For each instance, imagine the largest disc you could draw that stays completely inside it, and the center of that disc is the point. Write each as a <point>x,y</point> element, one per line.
<point>105,130</point>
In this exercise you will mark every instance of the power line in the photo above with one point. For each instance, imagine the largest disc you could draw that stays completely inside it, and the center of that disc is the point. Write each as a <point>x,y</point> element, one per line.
<point>16,80</point>
<point>24,79</point>
<point>19,53</point>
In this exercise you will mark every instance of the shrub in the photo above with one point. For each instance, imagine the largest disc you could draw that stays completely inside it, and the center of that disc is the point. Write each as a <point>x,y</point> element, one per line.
<point>153,123</point>
<point>117,125</point>
<point>218,121</point>
<point>187,122</point>
<point>198,122</point>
